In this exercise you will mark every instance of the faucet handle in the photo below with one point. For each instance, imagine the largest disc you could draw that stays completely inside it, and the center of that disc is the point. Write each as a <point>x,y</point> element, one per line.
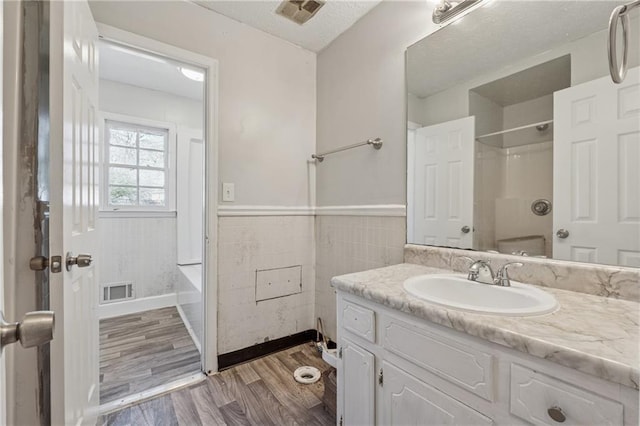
<point>502,277</point>
<point>476,266</point>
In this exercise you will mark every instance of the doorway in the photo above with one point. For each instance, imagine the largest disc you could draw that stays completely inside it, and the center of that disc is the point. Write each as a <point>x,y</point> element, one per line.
<point>151,223</point>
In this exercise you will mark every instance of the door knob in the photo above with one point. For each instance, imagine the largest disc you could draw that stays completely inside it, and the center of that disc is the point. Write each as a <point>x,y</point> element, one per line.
<point>562,233</point>
<point>35,329</point>
<point>557,414</point>
<point>465,229</point>
<point>82,260</point>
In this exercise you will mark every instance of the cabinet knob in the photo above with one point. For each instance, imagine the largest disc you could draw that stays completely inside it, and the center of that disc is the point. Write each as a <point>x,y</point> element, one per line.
<point>557,414</point>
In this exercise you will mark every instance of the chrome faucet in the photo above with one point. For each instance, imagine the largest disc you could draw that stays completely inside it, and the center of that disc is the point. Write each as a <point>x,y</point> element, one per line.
<point>502,277</point>
<point>480,271</point>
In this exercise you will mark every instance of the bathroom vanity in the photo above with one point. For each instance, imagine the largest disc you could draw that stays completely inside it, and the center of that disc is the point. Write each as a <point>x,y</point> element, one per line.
<point>405,361</point>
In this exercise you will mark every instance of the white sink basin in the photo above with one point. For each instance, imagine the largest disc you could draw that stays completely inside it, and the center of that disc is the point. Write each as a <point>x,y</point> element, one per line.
<point>456,291</point>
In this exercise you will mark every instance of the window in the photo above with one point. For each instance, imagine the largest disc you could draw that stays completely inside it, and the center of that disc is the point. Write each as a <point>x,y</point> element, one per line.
<point>137,166</point>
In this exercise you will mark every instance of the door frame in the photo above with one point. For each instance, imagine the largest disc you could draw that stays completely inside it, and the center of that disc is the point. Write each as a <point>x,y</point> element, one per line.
<point>3,371</point>
<point>209,354</point>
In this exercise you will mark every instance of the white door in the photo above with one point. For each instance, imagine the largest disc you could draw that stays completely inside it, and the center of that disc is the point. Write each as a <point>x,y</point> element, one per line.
<point>73,211</point>
<point>443,189</point>
<point>596,178</point>
<point>358,376</point>
<point>409,401</point>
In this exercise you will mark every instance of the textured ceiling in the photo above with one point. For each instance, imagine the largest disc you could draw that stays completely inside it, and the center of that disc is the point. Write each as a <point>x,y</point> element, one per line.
<point>146,70</point>
<point>332,19</point>
<point>528,84</point>
<point>496,35</point>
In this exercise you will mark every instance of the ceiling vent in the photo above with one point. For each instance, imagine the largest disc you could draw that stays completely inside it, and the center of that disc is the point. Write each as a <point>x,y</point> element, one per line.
<point>299,11</point>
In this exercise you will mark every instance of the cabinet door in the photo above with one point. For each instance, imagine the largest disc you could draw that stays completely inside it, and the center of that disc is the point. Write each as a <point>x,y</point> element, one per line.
<point>358,374</point>
<point>408,401</point>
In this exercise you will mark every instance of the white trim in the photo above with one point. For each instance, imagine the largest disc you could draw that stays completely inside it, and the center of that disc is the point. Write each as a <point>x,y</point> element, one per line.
<point>135,214</point>
<point>396,210</point>
<point>187,324</point>
<point>137,398</point>
<point>3,372</point>
<point>210,264</point>
<point>116,309</point>
<point>411,125</point>
<point>224,211</point>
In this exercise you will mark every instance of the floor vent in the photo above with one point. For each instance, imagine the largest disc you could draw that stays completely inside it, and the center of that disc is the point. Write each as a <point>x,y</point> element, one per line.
<point>116,292</point>
<point>299,11</point>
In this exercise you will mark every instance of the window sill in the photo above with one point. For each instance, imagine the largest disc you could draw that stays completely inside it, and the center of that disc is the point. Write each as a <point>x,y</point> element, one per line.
<point>135,214</point>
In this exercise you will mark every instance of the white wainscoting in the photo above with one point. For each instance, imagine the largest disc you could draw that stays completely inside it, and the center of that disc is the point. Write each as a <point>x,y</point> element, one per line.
<point>141,250</point>
<point>349,243</point>
<point>247,244</point>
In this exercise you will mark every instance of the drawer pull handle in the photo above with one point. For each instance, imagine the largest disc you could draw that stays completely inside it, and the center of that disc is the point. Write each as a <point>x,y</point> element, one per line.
<point>557,414</point>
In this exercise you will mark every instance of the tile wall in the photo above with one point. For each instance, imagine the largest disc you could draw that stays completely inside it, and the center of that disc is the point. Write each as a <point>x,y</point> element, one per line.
<point>347,244</point>
<point>248,244</point>
<point>140,250</point>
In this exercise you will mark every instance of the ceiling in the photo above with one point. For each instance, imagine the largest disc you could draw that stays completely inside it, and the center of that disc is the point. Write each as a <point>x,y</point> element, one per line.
<point>503,32</point>
<point>142,69</point>
<point>332,19</point>
<point>531,83</point>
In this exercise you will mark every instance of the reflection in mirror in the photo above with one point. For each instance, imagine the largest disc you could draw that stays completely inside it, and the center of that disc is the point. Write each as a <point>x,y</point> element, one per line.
<point>518,140</point>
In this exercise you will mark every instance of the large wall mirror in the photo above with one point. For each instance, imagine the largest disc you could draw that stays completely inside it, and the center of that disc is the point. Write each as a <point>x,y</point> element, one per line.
<point>518,140</point>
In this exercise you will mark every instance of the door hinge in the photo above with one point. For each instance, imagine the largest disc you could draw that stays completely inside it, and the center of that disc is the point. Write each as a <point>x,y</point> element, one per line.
<point>340,352</point>
<point>380,377</point>
<point>340,420</point>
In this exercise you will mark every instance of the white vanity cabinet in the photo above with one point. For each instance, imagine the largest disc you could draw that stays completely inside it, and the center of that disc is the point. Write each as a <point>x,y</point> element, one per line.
<point>358,375</point>
<point>396,369</point>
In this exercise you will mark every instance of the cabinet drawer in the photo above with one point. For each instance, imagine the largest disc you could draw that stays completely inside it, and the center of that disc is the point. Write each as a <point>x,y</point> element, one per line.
<point>409,401</point>
<point>533,394</point>
<point>359,321</point>
<point>454,361</point>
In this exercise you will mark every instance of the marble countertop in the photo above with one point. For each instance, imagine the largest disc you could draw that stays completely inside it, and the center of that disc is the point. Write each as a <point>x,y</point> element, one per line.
<point>595,335</point>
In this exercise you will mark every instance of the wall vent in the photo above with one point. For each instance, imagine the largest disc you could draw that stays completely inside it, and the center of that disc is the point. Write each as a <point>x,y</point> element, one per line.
<point>299,11</point>
<point>116,292</point>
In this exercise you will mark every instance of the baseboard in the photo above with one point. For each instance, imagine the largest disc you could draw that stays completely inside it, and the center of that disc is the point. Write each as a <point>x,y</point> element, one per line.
<point>116,309</point>
<point>240,356</point>
<point>187,324</point>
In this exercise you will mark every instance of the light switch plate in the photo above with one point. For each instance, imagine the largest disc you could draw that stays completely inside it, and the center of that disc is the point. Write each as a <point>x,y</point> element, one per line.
<point>228,192</point>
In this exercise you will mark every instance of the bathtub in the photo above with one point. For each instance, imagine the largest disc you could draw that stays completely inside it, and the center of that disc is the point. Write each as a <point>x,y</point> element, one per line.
<point>190,300</point>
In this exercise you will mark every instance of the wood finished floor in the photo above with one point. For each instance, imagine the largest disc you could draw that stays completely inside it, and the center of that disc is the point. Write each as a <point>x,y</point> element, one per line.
<point>144,350</point>
<point>261,392</point>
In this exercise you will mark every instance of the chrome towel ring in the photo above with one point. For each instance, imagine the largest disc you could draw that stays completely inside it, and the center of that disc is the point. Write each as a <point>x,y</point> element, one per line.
<point>620,13</point>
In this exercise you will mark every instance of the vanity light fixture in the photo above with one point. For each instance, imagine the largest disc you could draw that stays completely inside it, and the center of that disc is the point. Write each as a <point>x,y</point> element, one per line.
<point>192,74</point>
<point>451,10</point>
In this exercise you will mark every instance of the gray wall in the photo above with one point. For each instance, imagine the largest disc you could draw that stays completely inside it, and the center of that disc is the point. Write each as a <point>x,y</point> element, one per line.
<point>361,94</point>
<point>267,102</point>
